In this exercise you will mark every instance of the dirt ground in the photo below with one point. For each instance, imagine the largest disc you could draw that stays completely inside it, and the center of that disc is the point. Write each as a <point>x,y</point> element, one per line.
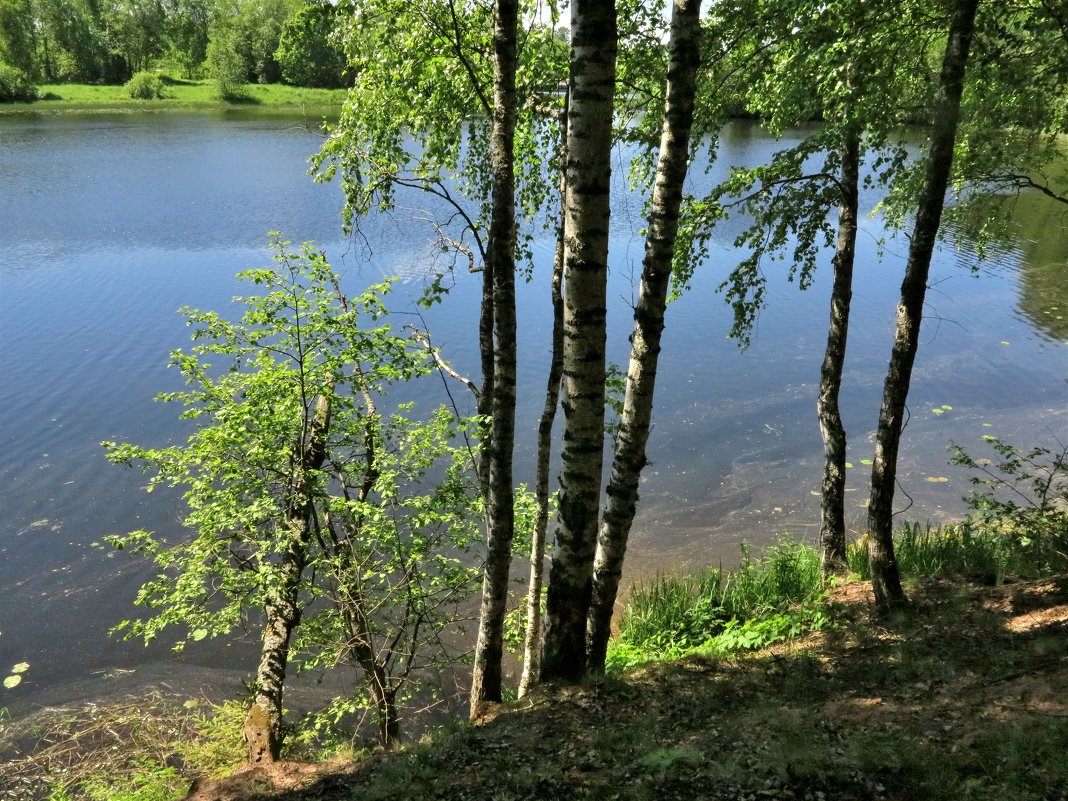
<point>962,696</point>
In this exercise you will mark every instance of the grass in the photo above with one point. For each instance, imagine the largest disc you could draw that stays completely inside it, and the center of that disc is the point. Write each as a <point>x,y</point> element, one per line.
<point>963,696</point>
<point>984,550</point>
<point>765,599</point>
<point>961,699</point>
<point>780,594</point>
<point>181,96</point>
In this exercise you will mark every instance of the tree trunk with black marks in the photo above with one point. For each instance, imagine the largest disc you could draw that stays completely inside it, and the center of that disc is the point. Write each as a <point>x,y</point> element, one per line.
<point>886,581</point>
<point>630,444</point>
<point>832,505</point>
<point>532,635</point>
<point>586,219</point>
<point>486,682</point>
<point>263,723</point>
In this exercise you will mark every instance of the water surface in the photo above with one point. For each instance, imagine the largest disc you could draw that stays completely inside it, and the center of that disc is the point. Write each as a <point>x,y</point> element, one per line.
<point>109,224</point>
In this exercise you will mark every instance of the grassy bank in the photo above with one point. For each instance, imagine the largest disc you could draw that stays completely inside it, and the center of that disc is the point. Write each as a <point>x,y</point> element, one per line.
<point>182,96</point>
<point>780,594</point>
<point>761,682</point>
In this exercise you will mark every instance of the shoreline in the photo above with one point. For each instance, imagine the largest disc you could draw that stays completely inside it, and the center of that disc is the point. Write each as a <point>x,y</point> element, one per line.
<point>181,96</point>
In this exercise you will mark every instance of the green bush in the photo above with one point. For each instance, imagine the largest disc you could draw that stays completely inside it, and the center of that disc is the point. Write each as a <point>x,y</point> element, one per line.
<point>15,85</point>
<point>146,86</point>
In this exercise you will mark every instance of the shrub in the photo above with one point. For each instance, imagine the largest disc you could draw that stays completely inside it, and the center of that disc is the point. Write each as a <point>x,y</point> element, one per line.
<point>15,85</point>
<point>146,86</point>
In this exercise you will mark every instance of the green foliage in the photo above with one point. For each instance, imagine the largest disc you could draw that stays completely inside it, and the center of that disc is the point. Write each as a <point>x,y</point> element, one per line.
<point>251,30</point>
<point>1018,525</point>
<point>1027,488</point>
<point>217,743</point>
<point>749,635</point>
<point>187,34</point>
<point>394,506</point>
<point>421,102</point>
<point>146,86</point>
<point>15,85</point>
<point>226,66</point>
<point>751,606</point>
<point>308,53</point>
<point>152,782</point>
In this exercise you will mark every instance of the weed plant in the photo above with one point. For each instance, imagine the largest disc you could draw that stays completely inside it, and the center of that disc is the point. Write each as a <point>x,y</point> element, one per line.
<point>1018,524</point>
<point>765,599</point>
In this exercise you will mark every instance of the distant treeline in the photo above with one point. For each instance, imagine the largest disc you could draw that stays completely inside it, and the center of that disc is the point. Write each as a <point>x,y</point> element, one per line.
<point>108,41</point>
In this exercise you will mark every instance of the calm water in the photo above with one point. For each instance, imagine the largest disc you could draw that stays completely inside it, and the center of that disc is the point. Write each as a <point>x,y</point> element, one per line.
<point>109,224</point>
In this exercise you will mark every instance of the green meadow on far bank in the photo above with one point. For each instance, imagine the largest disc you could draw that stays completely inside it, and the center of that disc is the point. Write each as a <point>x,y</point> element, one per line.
<point>181,95</point>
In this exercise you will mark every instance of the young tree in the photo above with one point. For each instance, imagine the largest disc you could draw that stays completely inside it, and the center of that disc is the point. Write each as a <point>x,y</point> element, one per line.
<point>886,581</point>
<point>486,679</point>
<point>225,64</point>
<point>287,469</point>
<point>532,632</point>
<point>586,218</point>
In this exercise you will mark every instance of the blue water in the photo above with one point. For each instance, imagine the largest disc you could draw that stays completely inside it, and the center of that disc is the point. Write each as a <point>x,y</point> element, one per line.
<point>109,224</point>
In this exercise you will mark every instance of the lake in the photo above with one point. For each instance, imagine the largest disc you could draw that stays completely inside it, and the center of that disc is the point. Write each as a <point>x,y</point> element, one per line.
<point>109,224</point>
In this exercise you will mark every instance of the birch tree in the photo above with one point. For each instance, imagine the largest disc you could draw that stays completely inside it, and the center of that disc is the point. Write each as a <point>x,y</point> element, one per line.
<point>886,581</point>
<point>489,647</point>
<point>298,493</point>
<point>629,455</point>
<point>432,91</point>
<point>586,219</point>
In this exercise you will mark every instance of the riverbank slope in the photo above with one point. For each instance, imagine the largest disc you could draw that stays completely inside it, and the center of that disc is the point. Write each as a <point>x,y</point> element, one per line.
<point>965,695</point>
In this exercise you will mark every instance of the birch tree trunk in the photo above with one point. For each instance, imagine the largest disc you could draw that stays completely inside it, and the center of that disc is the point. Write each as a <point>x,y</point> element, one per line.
<point>633,434</point>
<point>886,581</point>
<point>263,723</point>
<point>832,506</point>
<point>489,648</point>
<point>589,171</point>
<point>532,637</point>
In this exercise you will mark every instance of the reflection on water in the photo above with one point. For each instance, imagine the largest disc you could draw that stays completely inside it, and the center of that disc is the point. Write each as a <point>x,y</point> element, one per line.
<point>109,224</point>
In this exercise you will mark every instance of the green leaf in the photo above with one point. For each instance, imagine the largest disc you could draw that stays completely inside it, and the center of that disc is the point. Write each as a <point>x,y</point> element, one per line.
<point>21,667</point>
<point>199,634</point>
<point>12,681</point>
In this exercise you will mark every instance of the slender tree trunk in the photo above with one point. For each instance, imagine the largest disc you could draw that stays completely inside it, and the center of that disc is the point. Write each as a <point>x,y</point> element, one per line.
<point>351,601</point>
<point>485,397</point>
<point>263,723</point>
<point>361,646</point>
<point>532,638</point>
<point>832,509</point>
<point>633,434</point>
<point>489,648</point>
<point>586,219</point>
<point>886,581</point>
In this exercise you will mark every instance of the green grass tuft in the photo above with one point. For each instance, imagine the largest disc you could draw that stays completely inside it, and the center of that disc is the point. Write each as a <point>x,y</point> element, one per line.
<point>764,600</point>
<point>984,550</point>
